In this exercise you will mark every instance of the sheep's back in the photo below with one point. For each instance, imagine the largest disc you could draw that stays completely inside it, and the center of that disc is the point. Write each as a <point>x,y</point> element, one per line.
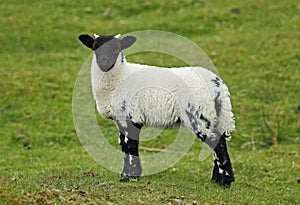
<point>205,99</point>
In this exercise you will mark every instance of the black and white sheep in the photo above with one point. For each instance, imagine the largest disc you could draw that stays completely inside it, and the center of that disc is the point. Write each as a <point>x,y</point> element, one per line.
<point>134,95</point>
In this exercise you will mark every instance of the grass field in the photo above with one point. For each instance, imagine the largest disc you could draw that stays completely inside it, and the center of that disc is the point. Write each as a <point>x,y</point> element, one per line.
<point>255,47</point>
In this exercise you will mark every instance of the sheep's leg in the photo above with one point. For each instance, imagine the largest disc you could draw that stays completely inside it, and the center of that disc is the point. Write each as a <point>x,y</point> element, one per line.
<point>215,174</point>
<point>222,172</point>
<point>129,141</point>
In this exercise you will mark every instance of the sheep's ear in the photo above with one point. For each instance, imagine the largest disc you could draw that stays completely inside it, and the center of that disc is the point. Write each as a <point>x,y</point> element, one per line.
<point>127,41</point>
<point>87,40</point>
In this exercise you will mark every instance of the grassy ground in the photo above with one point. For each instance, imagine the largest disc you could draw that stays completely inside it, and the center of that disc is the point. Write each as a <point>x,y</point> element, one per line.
<point>254,45</point>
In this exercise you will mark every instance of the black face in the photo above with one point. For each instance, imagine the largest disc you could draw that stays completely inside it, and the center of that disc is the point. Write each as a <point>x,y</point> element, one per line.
<point>106,48</point>
<point>107,52</point>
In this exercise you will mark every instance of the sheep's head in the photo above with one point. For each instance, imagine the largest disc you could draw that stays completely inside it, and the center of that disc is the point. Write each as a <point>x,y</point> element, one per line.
<point>106,48</point>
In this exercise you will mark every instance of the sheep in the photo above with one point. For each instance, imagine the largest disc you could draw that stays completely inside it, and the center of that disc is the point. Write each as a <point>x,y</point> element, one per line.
<point>133,95</point>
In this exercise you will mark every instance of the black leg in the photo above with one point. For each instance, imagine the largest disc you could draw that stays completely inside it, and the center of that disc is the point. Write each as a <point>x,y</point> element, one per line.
<point>124,149</point>
<point>222,172</point>
<point>215,176</point>
<point>129,141</point>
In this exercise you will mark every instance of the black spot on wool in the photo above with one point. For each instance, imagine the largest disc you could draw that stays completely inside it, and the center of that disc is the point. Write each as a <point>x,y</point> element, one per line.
<point>205,120</point>
<point>123,105</point>
<point>218,104</point>
<point>194,116</point>
<point>217,81</point>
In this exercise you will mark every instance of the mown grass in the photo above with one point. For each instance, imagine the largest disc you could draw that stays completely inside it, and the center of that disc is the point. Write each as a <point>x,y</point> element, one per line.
<point>254,45</point>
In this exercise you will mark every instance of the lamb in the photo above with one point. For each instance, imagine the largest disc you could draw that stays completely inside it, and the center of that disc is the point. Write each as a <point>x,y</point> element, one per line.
<point>133,95</point>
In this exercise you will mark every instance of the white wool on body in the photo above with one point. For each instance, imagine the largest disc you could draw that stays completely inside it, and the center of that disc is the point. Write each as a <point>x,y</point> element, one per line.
<point>161,97</point>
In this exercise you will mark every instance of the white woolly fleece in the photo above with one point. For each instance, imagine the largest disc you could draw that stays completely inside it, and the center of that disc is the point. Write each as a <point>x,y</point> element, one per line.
<point>160,97</point>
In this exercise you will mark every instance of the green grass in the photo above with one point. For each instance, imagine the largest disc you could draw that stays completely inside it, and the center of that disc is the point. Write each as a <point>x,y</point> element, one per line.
<point>255,51</point>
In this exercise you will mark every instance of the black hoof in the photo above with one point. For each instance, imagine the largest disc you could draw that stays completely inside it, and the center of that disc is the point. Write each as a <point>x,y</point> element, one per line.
<point>222,184</point>
<point>129,178</point>
<point>226,181</point>
<point>226,185</point>
<point>215,178</point>
<point>222,180</point>
<point>124,179</point>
